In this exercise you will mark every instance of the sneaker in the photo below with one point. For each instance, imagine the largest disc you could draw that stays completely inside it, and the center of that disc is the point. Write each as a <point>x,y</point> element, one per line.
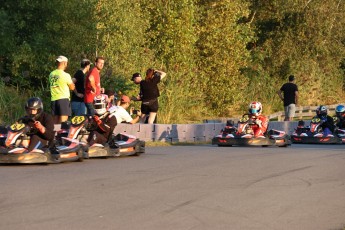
<point>318,135</point>
<point>304,135</point>
<point>260,136</point>
<point>330,135</point>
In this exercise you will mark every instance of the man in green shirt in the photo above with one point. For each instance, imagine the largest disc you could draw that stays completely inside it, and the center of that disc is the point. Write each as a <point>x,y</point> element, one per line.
<point>60,85</point>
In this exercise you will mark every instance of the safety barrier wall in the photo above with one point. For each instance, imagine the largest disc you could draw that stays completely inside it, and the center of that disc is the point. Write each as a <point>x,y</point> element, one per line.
<point>186,132</point>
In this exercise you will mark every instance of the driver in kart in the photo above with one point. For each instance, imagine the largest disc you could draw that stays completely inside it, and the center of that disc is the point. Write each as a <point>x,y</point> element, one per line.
<point>260,121</point>
<point>105,122</point>
<point>340,114</point>
<point>42,124</point>
<point>327,122</point>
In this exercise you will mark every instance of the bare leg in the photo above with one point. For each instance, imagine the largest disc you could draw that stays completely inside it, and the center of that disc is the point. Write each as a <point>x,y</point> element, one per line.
<point>152,117</point>
<point>63,118</point>
<point>59,119</point>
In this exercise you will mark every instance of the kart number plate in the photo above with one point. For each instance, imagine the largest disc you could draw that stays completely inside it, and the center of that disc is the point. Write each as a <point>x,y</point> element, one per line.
<point>316,120</point>
<point>17,127</point>
<point>77,120</point>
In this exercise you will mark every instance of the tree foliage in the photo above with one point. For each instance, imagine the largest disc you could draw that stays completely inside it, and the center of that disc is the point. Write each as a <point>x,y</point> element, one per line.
<point>219,55</point>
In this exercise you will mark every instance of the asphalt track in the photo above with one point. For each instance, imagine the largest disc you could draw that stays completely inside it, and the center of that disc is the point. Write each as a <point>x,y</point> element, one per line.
<point>182,187</point>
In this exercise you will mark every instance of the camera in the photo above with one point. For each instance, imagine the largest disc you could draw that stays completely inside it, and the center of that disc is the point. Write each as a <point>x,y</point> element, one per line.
<point>135,111</point>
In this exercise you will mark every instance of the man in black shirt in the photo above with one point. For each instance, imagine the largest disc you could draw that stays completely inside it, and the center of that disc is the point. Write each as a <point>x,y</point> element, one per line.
<point>288,93</point>
<point>77,100</point>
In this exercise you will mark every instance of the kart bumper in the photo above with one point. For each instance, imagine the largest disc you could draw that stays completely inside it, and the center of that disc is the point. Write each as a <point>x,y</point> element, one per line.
<point>316,140</point>
<point>225,141</point>
<point>24,158</point>
<point>135,147</point>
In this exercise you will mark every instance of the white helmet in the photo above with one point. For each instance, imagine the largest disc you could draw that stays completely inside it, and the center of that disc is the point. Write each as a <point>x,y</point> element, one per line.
<point>100,103</point>
<point>255,108</point>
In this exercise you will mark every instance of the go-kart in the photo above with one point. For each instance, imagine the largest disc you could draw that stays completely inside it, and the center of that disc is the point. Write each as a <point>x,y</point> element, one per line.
<point>313,134</point>
<point>78,130</point>
<point>3,134</point>
<point>243,135</point>
<point>17,139</point>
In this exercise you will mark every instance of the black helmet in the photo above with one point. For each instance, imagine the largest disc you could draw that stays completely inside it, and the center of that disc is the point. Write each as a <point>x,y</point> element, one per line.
<point>321,110</point>
<point>34,103</point>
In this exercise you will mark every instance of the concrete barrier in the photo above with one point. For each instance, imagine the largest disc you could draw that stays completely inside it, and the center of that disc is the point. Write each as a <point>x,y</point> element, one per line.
<point>187,132</point>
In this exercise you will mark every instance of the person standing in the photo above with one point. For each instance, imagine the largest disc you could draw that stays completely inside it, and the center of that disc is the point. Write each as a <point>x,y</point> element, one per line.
<point>77,99</point>
<point>136,78</point>
<point>288,93</point>
<point>60,85</point>
<point>93,85</point>
<point>149,94</point>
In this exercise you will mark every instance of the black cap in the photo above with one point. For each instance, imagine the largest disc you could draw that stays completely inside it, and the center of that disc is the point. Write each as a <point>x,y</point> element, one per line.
<point>84,63</point>
<point>135,75</point>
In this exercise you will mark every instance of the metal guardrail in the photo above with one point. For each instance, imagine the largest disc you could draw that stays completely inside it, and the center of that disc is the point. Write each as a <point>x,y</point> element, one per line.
<point>303,111</point>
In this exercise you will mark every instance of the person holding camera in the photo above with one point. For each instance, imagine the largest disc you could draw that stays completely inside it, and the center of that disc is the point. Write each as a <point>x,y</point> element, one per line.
<point>121,114</point>
<point>149,94</point>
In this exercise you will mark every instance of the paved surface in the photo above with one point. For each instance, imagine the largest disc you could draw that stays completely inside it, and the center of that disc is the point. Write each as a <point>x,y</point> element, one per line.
<point>181,187</point>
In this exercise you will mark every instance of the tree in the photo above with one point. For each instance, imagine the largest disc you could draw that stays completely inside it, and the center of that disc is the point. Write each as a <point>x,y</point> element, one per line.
<point>223,37</point>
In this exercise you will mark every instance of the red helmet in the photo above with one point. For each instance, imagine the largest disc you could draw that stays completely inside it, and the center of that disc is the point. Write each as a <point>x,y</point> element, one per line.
<point>255,108</point>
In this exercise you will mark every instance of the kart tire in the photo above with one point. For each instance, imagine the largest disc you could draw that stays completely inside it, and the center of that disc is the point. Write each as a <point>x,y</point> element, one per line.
<point>137,150</point>
<point>85,152</point>
<point>80,154</point>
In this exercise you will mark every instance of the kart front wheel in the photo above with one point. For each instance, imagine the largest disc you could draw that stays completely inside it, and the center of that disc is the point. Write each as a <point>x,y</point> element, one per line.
<point>80,154</point>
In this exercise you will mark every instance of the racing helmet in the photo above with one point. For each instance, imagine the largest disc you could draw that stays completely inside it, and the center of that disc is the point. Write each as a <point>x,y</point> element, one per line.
<point>34,103</point>
<point>340,111</point>
<point>255,108</point>
<point>100,103</point>
<point>321,111</point>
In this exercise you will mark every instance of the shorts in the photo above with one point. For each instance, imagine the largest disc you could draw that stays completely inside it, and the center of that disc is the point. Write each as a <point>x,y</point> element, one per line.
<point>90,111</point>
<point>61,107</point>
<point>150,106</point>
<point>290,110</point>
<point>78,108</point>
